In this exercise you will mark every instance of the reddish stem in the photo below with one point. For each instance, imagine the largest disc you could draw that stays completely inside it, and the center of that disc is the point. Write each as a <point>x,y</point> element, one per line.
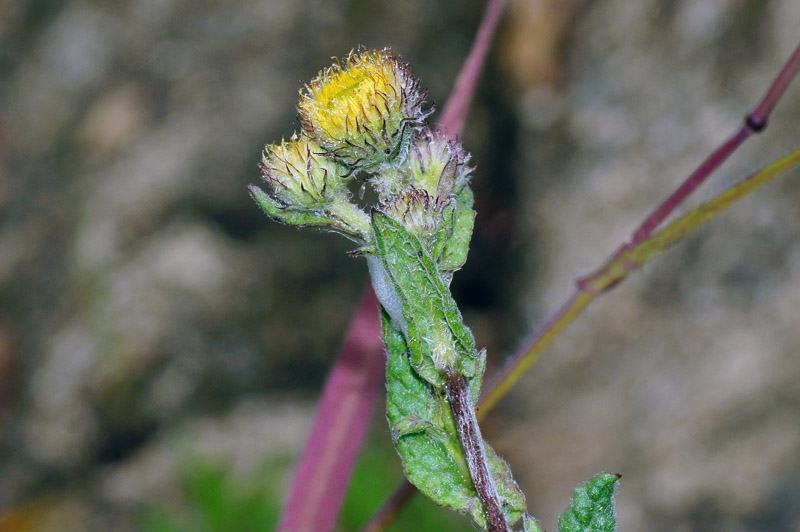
<point>458,395</point>
<point>323,471</point>
<point>391,507</point>
<point>455,110</point>
<point>755,122</point>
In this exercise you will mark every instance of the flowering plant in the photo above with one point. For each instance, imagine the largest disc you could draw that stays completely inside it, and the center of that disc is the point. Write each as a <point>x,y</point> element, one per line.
<point>365,117</point>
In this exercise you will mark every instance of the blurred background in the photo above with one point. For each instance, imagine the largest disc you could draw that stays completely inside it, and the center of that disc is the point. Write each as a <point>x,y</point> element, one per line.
<point>162,343</point>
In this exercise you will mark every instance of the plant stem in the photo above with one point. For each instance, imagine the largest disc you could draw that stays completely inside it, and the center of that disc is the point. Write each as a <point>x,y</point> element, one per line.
<point>455,111</point>
<point>618,268</point>
<point>381,519</point>
<point>322,473</point>
<point>586,288</point>
<point>469,433</point>
<point>754,122</point>
<point>512,370</point>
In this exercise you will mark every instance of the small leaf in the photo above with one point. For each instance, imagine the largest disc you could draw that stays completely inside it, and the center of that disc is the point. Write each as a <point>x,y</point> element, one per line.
<point>284,214</point>
<point>437,337</point>
<point>530,524</point>
<point>456,248</point>
<point>592,507</point>
<point>507,490</point>
<point>426,440</point>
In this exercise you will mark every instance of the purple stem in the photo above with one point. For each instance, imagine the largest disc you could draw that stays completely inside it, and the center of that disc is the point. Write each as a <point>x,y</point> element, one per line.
<point>455,110</point>
<point>755,122</point>
<point>320,479</point>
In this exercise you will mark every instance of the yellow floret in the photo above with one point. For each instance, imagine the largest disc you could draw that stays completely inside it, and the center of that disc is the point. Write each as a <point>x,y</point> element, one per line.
<point>361,110</point>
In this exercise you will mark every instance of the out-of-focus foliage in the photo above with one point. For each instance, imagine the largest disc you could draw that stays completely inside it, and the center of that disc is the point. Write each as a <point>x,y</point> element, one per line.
<point>216,502</point>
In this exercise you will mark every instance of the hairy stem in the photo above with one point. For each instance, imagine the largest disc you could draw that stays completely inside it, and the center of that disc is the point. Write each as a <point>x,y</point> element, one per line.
<point>469,433</point>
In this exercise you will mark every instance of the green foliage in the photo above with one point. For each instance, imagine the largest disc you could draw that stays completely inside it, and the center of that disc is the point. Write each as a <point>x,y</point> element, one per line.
<point>437,338</point>
<point>218,502</point>
<point>376,475</point>
<point>456,248</point>
<point>592,507</point>
<point>288,215</point>
<point>425,436</point>
<point>529,524</point>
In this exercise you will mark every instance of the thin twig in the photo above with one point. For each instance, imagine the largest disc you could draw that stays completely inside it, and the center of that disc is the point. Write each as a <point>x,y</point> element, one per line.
<point>754,122</point>
<point>512,370</point>
<point>616,270</point>
<point>391,507</point>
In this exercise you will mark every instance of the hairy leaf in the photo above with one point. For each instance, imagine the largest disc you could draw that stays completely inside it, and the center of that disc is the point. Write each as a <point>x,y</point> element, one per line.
<point>456,248</point>
<point>530,524</point>
<point>592,508</point>
<point>285,214</point>
<point>437,337</point>
<point>426,440</point>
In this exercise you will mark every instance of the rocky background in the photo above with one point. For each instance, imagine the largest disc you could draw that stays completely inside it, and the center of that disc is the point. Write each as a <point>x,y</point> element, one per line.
<point>153,324</point>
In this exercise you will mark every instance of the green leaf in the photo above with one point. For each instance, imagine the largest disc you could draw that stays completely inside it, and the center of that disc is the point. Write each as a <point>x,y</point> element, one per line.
<point>592,508</point>
<point>285,214</point>
<point>437,337</point>
<point>530,524</point>
<point>425,437</point>
<point>455,250</point>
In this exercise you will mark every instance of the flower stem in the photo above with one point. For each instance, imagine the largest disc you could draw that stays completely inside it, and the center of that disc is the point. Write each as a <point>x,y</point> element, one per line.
<point>469,433</point>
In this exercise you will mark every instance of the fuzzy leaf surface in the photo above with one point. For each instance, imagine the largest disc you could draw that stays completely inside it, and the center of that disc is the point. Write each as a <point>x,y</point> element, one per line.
<point>437,336</point>
<point>284,214</point>
<point>425,437</point>
<point>456,248</point>
<point>592,507</point>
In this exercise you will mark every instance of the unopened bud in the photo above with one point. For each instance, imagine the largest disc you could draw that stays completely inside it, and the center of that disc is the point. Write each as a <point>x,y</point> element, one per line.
<point>300,175</point>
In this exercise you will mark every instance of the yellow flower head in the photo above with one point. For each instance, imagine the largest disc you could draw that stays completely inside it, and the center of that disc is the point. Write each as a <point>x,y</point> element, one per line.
<point>300,174</point>
<point>363,111</point>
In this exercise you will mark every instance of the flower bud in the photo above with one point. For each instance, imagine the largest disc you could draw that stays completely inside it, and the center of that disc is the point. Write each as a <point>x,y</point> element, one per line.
<point>437,165</point>
<point>423,193</point>
<point>416,210</point>
<point>308,188</point>
<point>300,175</point>
<point>363,111</point>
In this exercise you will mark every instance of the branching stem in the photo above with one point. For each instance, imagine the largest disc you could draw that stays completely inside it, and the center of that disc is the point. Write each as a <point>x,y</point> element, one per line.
<point>754,122</point>
<point>587,288</point>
